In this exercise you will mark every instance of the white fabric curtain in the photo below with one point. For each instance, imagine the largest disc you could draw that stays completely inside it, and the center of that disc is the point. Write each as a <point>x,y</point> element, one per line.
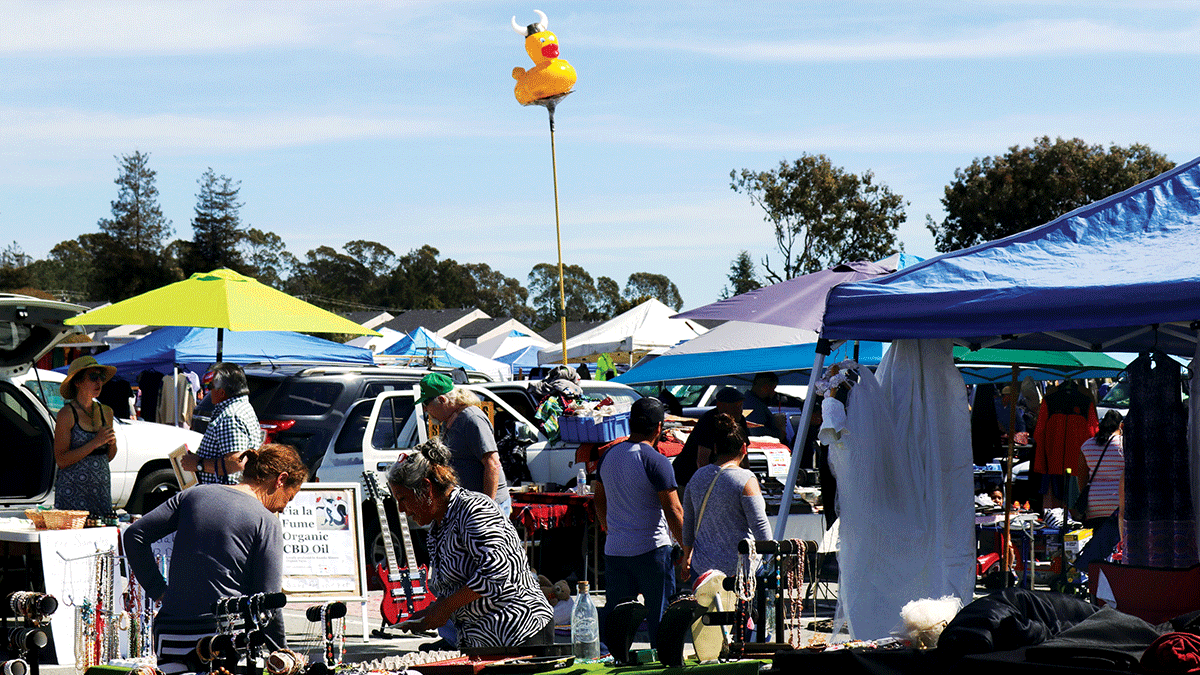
<point>905,487</point>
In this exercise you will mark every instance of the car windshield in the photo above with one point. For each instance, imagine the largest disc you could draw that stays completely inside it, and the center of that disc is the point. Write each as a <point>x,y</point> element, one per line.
<point>47,392</point>
<point>689,395</point>
<point>619,392</point>
<point>1117,396</point>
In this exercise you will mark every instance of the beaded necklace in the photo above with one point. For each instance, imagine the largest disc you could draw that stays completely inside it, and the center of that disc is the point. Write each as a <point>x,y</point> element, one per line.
<point>745,574</point>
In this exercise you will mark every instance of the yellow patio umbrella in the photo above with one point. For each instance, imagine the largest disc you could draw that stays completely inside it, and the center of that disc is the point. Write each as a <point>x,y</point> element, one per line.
<point>221,299</point>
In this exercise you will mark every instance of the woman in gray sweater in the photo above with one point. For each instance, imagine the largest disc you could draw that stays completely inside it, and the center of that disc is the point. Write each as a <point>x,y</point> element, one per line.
<point>723,504</point>
<point>228,543</point>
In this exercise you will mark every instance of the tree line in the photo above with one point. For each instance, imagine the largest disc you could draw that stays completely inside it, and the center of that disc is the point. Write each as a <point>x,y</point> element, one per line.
<point>820,215</point>
<point>132,252</point>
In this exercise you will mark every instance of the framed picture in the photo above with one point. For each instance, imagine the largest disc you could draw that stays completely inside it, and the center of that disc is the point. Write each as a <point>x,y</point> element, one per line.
<point>323,553</point>
<point>186,479</point>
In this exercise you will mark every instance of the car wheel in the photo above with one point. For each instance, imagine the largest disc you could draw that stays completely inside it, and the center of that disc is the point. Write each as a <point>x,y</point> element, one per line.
<point>151,490</point>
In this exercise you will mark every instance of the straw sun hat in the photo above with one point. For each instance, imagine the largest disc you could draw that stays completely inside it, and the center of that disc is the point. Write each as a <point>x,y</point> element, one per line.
<point>78,366</point>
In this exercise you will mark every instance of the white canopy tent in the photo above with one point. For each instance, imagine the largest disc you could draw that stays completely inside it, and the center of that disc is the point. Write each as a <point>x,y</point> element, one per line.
<point>513,341</point>
<point>650,325</point>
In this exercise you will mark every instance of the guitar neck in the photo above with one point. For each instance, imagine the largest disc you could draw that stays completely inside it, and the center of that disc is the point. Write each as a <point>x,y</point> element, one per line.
<point>373,490</point>
<point>411,555</point>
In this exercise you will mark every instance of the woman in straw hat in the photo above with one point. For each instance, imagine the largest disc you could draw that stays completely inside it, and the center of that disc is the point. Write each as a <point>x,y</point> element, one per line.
<point>84,442</point>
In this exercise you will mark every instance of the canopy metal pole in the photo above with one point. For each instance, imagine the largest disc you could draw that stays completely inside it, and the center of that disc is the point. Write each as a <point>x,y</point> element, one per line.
<point>1008,474</point>
<point>789,488</point>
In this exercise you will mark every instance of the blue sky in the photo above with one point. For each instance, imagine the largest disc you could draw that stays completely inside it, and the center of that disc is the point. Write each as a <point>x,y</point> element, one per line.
<point>396,122</point>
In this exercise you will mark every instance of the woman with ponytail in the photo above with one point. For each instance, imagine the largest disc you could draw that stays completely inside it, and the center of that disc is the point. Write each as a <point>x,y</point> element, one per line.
<point>477,566</point>
<point>723,504</point>
<point>228,543</point>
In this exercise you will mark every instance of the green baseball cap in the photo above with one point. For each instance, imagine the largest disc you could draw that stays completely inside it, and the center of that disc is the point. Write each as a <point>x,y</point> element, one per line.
<point>434,385</point>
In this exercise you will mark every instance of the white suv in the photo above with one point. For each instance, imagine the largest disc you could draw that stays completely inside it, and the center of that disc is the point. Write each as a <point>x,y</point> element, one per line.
<point>141,472</point>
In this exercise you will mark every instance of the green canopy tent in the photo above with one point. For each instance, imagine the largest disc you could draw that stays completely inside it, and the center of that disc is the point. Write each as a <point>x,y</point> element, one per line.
<point>993,366</point>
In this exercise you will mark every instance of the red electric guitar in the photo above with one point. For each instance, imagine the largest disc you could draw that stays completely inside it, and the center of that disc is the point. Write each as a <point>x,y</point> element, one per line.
<point>404,591</point>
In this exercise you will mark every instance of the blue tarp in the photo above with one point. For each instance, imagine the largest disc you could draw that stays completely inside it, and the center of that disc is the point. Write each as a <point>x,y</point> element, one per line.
<point>196,349</point>
<point>1098,278</point>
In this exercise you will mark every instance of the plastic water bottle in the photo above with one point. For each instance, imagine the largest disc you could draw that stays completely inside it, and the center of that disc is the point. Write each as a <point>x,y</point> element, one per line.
<point>581,485</point>
<point>585,626</point>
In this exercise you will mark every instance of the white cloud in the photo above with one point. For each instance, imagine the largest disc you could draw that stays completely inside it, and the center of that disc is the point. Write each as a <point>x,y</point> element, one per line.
<point>156,27</point>
<point>82,131</point>
<point>1078,37</point>
<point>151,27</point>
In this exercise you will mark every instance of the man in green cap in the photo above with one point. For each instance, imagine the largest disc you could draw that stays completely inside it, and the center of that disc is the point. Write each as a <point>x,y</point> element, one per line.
<point>469,435</point>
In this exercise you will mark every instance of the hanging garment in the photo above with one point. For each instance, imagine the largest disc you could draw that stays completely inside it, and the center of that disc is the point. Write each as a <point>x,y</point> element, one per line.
<point>180,405</point>
<point>1066,419</point>
<point>1160,528</point>
<point>903,464</point>
<point>985,441</point>
<point>149,384</point>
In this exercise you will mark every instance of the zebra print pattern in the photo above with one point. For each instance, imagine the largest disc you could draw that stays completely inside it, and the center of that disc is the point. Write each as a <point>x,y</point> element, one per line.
<point>474,545</point>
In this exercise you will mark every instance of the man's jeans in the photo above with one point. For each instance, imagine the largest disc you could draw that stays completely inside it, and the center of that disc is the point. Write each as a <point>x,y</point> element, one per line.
<point>650,574</point>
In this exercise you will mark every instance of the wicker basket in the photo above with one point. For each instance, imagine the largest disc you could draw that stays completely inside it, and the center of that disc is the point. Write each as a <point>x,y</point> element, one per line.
<point>37,518</point>
<point>65,520</point>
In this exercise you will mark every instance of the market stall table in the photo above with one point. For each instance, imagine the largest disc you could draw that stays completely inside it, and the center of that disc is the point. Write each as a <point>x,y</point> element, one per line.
<point>538,512</point>
<point>44,561</point>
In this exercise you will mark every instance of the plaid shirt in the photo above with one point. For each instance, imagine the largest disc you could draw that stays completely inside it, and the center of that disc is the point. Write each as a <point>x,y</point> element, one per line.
<point>234,428</point>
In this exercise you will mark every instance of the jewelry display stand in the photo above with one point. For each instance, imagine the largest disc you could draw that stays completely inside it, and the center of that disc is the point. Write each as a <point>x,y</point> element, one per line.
<point>772,596</point>
<point>226,650</point>
<point>329,619</point>
<point>28,637</point>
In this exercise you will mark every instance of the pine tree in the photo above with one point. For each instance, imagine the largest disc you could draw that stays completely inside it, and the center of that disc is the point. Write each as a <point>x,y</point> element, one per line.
<point>742,276</point>
<point>129,247</point>
<point>137,223</point>
<point>217,226</point>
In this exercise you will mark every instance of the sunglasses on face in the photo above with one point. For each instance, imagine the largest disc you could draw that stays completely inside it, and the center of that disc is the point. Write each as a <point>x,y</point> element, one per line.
<point>95,376</point>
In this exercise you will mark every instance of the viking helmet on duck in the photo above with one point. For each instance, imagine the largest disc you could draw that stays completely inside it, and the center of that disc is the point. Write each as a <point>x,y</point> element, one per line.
<point>550,76</point>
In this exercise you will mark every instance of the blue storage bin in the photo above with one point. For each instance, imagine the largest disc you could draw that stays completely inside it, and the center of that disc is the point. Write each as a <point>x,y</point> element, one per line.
<point>586,430</point>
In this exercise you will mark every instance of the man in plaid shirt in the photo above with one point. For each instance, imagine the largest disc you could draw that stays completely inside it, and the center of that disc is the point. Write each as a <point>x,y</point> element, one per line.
<point>233,430</point>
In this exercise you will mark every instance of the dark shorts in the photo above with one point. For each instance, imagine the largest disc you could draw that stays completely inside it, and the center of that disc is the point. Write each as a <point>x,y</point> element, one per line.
<point>1055,485</point>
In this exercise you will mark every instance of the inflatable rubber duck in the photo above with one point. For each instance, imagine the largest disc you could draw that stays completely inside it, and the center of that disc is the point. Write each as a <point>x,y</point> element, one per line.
<point>550,75</point>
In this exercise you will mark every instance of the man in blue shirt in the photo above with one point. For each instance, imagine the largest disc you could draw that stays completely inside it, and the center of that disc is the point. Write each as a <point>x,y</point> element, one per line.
<point>642,513</point>
<point>234,429</point>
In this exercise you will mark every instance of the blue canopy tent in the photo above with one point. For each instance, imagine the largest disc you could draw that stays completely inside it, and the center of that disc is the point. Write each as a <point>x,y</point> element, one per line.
<point>422,347</point>
<point>738,366</point>
<point>525,358</point>
<point>194,349</point>
<point>1117,275</point>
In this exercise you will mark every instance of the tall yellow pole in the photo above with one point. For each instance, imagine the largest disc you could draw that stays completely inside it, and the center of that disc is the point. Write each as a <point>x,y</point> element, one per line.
<point>562,292</point>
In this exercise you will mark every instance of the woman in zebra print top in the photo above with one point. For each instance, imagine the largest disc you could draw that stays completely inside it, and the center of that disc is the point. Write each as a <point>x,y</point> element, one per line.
<point>477,566</point>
